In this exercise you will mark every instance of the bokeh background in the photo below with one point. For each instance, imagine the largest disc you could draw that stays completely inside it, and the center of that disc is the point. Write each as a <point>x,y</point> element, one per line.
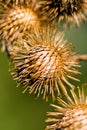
<point>20,111</point>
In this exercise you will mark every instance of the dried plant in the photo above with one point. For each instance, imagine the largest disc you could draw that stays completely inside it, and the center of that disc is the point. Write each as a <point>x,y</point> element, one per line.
<point>69,114</point>
<point>15,20</point>
<point>72,11</point>
<point>41,59</point>
<point>43,63</point>
<point>17,2</point>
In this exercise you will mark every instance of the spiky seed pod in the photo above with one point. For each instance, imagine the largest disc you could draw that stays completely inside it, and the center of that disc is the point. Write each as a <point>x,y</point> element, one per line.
<point>72,11</point>
<point>15,20</point>
<point>70,113</point>
<point>44,65</point>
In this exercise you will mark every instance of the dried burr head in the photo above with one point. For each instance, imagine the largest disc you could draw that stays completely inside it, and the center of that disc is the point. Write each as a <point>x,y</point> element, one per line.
<point>71,11</point>
<point>16,20</point>
<point>70,113</point>
<point>43,64</point>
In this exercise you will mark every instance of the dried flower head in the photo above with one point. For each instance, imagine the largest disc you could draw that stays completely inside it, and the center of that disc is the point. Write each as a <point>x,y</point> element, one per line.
<point>72,11</point>
<point>70,114</point>
<point>43,63</point>
<point>15,20</point>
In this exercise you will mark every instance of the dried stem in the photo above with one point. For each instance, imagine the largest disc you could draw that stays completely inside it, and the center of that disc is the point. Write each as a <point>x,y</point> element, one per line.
<point>79,57</point>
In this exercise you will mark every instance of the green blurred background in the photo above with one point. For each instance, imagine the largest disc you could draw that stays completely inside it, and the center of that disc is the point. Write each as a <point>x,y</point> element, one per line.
<point>22,112</point>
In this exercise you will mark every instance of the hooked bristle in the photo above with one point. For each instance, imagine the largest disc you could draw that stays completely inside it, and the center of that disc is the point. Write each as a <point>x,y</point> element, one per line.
<point>71,11</point>
<point>17,2</point>
<point>70,113</point>
<point>43,63</point>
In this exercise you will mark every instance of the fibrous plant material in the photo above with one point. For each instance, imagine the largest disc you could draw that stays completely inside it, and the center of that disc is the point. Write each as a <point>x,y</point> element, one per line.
<point>17,1</point>
<point>43,63</point>
<point>72,11</point>
<point>15,20</point>
<point>22,2</point>
<point>69,114</point>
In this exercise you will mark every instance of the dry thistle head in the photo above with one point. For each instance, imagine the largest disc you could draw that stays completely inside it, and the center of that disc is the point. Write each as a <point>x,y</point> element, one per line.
<point>70,114</point>
<point>15,20</point>
<point>43,64</point>
<point>72,11</point>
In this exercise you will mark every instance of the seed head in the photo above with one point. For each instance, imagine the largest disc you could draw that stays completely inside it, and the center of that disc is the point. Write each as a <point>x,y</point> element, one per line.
<point>69,114</point>
<point>43,64</point>
<point>15,20</point>
<point>72,11</point>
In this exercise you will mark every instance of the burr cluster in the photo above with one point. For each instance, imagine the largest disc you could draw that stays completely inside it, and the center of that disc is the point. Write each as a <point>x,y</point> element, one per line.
<point>40,57</point>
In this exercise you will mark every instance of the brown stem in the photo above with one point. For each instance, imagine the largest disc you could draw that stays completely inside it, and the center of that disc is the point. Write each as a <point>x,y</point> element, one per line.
<point>80,57</point>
